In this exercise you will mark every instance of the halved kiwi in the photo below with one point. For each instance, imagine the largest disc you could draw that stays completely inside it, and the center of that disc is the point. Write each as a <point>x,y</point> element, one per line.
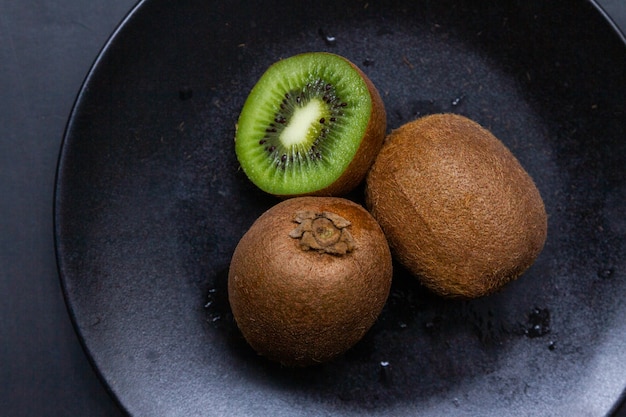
<point>312,125</point>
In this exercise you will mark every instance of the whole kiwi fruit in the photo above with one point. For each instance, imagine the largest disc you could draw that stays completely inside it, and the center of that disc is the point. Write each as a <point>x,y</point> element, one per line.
<point>308,279</point>
<point>312,125</point>
<point>458,209</point>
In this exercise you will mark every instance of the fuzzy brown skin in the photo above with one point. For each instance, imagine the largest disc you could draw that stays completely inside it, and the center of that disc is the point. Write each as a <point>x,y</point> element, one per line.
<point>302,307</point>
<point>370,146</point>
<point>458,209</point>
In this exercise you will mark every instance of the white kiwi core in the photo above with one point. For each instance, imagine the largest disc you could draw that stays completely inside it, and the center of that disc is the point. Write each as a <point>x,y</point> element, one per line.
<point>302,126</point>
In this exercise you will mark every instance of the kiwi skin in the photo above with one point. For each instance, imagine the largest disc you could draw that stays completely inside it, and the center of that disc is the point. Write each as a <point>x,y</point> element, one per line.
<point>303,307</point>
<point>370,145</point>
<point>458,209</point>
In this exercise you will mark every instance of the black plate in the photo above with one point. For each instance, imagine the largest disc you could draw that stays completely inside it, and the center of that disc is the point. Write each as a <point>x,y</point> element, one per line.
<point>150,204</point>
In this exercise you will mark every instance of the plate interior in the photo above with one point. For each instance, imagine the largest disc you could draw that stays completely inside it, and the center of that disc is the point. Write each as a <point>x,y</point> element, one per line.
<point>150,204</point>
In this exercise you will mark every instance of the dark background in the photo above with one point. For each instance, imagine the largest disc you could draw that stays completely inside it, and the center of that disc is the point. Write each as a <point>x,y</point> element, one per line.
<point>46,49</point>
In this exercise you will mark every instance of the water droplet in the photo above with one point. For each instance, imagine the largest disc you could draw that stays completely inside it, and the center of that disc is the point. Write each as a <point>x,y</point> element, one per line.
<point>538,323</point>
<point>368,62</point>
<point>605,273</point>
<point>552,345</point>
<point>432,325</point>
<point>385,372</point>
<point>458,100</point>
<point>211,304</point>
<point>329,39</point>
<point>402,325</point>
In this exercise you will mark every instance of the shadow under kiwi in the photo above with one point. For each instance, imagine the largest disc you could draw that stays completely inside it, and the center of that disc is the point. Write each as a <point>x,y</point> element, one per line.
<point>421,345</point>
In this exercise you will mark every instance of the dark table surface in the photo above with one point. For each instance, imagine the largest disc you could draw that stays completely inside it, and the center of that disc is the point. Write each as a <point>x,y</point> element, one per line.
<point>46,49</point>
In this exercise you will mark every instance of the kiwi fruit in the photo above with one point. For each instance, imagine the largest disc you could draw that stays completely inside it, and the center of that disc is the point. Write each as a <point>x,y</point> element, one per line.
<point>308,279</point>
<point>458,209</point>
<point>312,125</point>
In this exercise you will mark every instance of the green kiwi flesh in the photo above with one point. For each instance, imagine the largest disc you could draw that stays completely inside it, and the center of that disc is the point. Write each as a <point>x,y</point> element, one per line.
<point>312,125</point>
